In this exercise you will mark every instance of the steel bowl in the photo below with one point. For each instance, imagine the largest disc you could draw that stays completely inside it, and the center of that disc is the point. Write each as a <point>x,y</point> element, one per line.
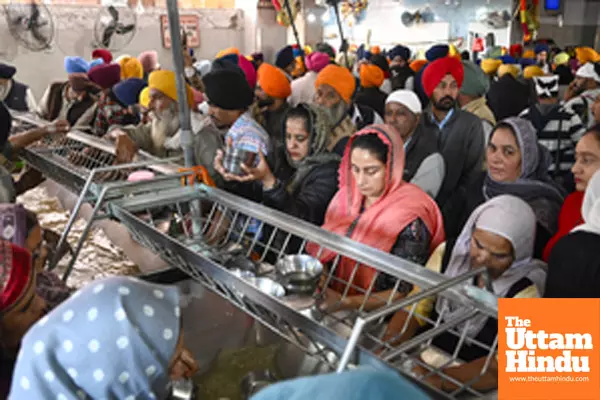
<point>255,381</point>
<point>268,286</point>
<point>234,158</point>
<point>243,274</point>
<point>299,273</point>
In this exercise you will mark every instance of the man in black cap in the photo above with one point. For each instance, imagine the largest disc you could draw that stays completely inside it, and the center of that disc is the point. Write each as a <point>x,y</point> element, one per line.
<point>229,97</point>
<point>286,61</point>
<point>401,76</point>
<point>15,95</point>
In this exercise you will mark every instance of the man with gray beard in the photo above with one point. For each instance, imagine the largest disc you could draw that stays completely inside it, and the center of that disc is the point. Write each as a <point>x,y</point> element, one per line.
<point>161,136</point>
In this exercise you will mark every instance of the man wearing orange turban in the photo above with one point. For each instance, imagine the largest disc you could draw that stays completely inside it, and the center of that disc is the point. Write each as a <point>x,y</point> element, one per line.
<point>272,90</point>
<point>334,91</point>
<point>369,94</point>
<point>460,135</point>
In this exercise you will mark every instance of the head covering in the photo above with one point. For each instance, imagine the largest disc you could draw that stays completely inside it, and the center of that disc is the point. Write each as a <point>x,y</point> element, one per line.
<point>371,76</point>
<point>375,50</point>
<point>530,54</point>
<point>165,82</point>
<point>437,70</point>
<point>475,83</point>
<point>381,62</point>
<point>96,61</point>
<point>104,54</point>
<point>317,61</point>
<point>326,48</point>
<point>590,209</point>
<point>15,273</point>
<point>76,64</point>
<point>258,56</point>
<point>534,185</point>
<point>105,75</point>
<point>80,81</point>
<point>509,217</point>
<point>400,51</point>
<point>407,98</point>
<point>565,75</point>
<point>202,67</point>
<point>490,65</point>
<point>248,69</point>
<point>588,71</point>
<point>511,69</point>
<point>227,88</point>
<point>149,60</point>
<point>229,50</point>
<point>508,97</point>
<point>128,91</point>
<point>375,227</point>
<point>351,385</point>
<point>546,86</point>
<point>586,55</point>
<point>417,65</point>
<point>532,71</point>
<point>506,59</point>
<point>525,62</point>
<point>561,58</point>
<point>144,99</point>
<point>320,127</point>
<point>113,338</point>
<point>340,79</point>
<point>541,47</point>
<point>7,71</point>
<point>284,57</point>
<point>273,81</point>
<point>437,51</point>
<point>131,68</point>
<point>515,50</point>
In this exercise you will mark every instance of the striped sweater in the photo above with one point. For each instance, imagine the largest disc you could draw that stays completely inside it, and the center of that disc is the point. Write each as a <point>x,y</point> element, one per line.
<point>559,129</point>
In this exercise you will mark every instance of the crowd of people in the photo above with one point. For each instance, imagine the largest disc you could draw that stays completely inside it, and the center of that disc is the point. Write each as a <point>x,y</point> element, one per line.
<point>444,161</point>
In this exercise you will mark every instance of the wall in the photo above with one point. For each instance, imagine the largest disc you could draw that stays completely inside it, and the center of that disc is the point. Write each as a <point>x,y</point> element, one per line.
<point>219,28</point>
<point>383,20</point>
<point>580,19</point>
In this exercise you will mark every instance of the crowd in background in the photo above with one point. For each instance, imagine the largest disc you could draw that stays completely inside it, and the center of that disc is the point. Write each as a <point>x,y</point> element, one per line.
<point>451,163</point>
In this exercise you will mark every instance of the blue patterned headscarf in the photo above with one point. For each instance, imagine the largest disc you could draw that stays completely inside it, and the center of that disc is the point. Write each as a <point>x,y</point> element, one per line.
<point>353,385</point>
<point>113,339</point>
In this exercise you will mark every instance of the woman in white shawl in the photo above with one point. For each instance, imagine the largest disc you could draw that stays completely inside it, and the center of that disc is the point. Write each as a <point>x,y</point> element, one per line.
<point>499,235</point>
<point>574,264</point>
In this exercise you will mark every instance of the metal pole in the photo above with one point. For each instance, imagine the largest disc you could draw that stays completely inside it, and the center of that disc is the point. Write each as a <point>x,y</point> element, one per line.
<point>184,110</point>
<point>339,24</point>
<point>293,23</point>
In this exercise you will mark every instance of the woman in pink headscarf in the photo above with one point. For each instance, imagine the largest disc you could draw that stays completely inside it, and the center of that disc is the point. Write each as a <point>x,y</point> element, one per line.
<point>374,206</point>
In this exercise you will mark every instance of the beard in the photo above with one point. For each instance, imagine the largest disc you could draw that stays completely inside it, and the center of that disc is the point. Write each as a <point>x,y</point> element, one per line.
<point>444,104</point>
<point>337,112</point>
<point>164,125</point>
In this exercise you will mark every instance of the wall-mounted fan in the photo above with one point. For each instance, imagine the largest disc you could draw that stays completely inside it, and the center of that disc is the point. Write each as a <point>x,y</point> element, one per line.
<point>497,20</point>
<point>419,16</point>
<point>114,27</point>
<point>30,24</point>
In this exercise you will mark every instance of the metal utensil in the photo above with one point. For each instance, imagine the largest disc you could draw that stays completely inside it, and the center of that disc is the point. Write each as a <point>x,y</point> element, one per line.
<point>299,273</point>
<point>268,286</point>
<point>234,158</point>
<point>183,389</point>
<point>256,381</point>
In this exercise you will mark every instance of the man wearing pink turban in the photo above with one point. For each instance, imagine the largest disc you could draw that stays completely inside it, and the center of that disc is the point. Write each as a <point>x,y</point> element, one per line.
<point>303,89</point>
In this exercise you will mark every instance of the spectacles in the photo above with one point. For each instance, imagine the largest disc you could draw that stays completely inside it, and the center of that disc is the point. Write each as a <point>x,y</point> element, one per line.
<point>498,256</point>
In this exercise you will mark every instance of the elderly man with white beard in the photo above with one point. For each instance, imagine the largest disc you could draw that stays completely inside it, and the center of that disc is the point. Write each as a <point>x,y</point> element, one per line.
<point>161,136</point>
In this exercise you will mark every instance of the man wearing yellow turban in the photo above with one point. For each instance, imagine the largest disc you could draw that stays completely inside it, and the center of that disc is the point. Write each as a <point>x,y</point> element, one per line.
<point>161,135</point>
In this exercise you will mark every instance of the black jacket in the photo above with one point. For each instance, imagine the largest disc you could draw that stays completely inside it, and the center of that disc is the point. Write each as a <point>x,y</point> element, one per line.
<point>17,97</point>
<point>373,98</point>
<point>311,198</point>
<point>421,145</point>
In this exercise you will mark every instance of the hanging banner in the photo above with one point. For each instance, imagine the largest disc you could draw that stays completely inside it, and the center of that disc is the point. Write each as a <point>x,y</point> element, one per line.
<point>190,25</point>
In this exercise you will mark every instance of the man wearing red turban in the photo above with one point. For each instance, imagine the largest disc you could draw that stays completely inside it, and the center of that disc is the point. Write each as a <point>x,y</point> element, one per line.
<point>460,133</point>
